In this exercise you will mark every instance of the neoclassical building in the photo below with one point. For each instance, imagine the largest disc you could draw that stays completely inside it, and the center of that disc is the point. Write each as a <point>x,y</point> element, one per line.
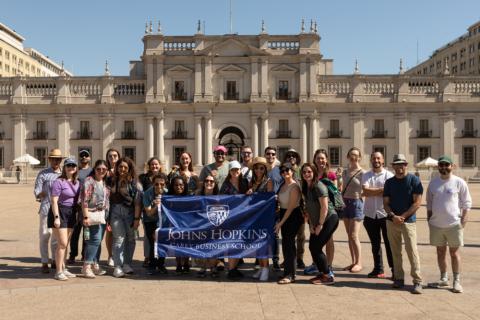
<point>194,92</point>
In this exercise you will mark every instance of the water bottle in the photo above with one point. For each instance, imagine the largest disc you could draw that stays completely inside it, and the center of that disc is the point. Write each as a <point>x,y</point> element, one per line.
<point>86,233</point>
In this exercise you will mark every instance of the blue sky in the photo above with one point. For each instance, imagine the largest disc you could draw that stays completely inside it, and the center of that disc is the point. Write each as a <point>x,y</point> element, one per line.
<point>377,33</point>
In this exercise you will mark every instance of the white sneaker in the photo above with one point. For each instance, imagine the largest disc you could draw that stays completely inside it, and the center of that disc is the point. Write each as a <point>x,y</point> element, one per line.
<point>457,287</point>
<point>110,262</point>
<point>127,269</point>
<point>97,270</point>
<point>442,283</point>
<point>60,276</point>
<point>87,272</point>
<point>264,274</point>
<point>257,274</point>
<point>118,272</point>
<point>69,274</point>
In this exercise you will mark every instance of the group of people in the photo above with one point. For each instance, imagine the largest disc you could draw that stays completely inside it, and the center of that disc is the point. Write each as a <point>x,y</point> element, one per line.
<point>308,194</point>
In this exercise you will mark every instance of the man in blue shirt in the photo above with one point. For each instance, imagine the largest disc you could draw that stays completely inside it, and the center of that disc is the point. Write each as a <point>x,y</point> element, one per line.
<point>402,196</point>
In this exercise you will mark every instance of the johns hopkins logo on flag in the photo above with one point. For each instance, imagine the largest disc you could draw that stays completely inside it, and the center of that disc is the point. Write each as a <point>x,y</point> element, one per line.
<point>217,214</point>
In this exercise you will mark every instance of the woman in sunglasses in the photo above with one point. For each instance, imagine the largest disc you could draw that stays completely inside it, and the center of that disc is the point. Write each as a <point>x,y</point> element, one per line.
<point>63,216</point>
<point>94,197</point>
<point>112,157</point>
<point>178,187</point>
<point>260,183</point>
<point>289,220</point>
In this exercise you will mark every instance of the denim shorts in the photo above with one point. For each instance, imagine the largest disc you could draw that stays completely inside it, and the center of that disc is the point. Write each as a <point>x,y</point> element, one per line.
<point>353,209</point>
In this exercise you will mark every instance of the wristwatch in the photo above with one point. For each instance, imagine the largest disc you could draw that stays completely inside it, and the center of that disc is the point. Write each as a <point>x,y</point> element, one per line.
<point>390,215</point>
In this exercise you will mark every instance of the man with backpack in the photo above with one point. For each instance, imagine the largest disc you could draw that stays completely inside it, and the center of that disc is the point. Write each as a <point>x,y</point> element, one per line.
<point>375,220</point>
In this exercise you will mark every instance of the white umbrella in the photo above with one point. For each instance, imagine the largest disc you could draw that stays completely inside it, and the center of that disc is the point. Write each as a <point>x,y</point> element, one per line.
<point>427,163</point>
<point>26,160</point>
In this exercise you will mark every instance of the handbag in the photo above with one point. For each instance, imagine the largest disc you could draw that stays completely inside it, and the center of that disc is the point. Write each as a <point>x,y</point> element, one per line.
<point>96,217</point>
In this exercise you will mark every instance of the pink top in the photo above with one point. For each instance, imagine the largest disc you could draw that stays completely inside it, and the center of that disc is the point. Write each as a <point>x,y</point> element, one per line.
<point>330,175</point>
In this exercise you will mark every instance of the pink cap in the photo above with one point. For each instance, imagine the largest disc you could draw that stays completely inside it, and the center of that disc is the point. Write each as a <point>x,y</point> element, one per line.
<point>220,148</point>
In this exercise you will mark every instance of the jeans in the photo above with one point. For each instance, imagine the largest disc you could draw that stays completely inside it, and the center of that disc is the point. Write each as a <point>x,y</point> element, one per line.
<point>121,220</point>
<point>93,245</point>
<point>409,233</point>
<point>45,235</point>
<point>318,242</point>
<point>289,232</point>
<point>376,228</point>
<point>150,228</point>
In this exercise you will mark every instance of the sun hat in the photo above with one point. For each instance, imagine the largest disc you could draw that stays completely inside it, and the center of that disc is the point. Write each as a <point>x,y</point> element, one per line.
<point>55,153</point>
<point>259,160</point>
<point>399,159</point>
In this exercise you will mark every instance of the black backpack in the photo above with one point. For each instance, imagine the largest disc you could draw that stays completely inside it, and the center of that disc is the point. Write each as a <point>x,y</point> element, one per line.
<point>334,195</point>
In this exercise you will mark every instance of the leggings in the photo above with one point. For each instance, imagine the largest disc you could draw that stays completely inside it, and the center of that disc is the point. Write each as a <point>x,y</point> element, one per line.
<point>318,242</point>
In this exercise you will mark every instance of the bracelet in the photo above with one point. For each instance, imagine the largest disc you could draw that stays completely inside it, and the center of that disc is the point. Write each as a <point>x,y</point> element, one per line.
<point>136,218</point>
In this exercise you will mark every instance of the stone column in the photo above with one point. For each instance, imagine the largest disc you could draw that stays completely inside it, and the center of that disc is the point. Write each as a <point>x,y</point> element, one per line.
<point>161,137</point>
<point>63,133</point>
<point>358,132</point>
<point>313,79</point>
<point>265,130</point>
<point>264,86</point>
<point>149,139</point>
<point>208,145</point>
<point>198,80</point>
<point>18,136</point>
<point>197,158</point>
<point>403,136</point>
<point>303,137</point>
<point>151,82</point>
<point>160,96</point>
<point>254,89</point>
<point>313,134</point>
<point>208,80</point>
<point>254,128</point>
<point>447,135</point>
<point>303,80</point>
<point>106,133</point>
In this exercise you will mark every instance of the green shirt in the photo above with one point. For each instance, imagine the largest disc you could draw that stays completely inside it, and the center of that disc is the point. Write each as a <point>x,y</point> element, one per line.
<point>312,203</point>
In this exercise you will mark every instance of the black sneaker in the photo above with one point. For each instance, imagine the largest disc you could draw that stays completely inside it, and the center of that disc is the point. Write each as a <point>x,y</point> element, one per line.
<point>186,269</point>
<point>162,270</point>
<point>178,270</point>
<point>300,264</point>
<point>398,284</point>
<point>151,271</point>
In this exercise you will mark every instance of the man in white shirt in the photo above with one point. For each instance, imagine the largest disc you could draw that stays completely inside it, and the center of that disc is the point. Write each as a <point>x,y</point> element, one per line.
<point>375,220</point>
<point>247,160</point>
<point>448,203</point>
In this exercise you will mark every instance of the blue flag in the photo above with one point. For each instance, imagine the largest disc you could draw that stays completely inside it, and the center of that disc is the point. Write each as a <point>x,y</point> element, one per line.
<point>237,226</point>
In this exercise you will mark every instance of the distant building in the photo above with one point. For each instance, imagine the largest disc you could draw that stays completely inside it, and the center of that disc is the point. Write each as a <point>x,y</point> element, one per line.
<point>458,57</point>
<point>15,60</point>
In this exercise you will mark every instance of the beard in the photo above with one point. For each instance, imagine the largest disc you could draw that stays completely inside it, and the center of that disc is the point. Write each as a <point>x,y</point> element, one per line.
<point>444,171</point>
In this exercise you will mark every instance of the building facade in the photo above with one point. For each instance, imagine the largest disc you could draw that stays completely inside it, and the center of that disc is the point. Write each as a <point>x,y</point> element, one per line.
<point>458,57</point>
<point>15,60</point>
<point>194,92</point>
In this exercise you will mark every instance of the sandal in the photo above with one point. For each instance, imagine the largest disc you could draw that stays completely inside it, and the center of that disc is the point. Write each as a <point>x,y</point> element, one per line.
<point>356,268</point>
<point>286,280</point>
<point>348,268</point>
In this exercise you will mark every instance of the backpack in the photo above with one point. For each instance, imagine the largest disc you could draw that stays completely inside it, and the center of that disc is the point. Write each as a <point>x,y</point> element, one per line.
<point>334,195</point>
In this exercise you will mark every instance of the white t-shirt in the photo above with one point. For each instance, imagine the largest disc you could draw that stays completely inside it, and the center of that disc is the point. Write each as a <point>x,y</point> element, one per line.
<point>373,206</point>
<point>446,199</point>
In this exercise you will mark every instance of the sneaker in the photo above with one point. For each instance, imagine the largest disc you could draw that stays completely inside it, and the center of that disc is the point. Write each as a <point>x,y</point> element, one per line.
<point>87,272</point>
<point>162,269</point>
<point>151,271</point>
<point>234,274</point>
<point>71,260</point>
<point>186,269</point>
<point>457,287</point>
<point>45,268</point>
<point>442,283</point>
<point>202,273</point>
<point>118,272</point>
<point>53,265</point>
<point>398,284</point>
<point>97,270</point>
<point>178,270</point>
<point>323,279</point>
<point>377,275</point>
<point>69,274</point>
<point>264,274</point>
<point>310,270</point>
<point>330,272</point>
<point>110,262</point>
<point>276,266</point>
<point>257,274</point>
<point>257,264</point>
<point>417,288</point>
<point>61,276</point>
<point>146,263</point>
<point>300,264</point>
<point>127,269</point>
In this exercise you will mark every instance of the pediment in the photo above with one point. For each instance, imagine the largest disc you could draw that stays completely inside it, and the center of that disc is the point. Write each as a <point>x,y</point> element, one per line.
<point>284,68</point>
<point>231,48</point>
<point>179,69</point>
<point>230,68</point>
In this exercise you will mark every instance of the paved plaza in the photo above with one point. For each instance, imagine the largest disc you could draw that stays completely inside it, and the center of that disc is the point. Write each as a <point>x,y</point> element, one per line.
<point>25,293</point>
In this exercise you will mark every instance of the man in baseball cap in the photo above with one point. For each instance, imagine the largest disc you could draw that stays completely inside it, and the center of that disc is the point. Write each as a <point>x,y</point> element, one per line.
<point>217,169</point>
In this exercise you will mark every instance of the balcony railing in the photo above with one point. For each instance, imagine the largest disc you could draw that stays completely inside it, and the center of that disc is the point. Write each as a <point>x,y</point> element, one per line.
<point>84,135</point>
<point>284,134</point>
<point>180,96</point>
<point>283,96</point>
<point>179,134</point>
<point>469,133</point>
<point>2,135</point>
<point>424,133</point>
<point>379,133</point>
<point>231,96</point>
<point>132,135</point>
<point>334,133</point>
<point>40,135</point>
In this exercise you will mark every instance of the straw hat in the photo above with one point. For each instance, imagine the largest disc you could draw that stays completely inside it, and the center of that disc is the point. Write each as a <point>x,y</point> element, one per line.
<point>259,160</point>
<point>55,153</point>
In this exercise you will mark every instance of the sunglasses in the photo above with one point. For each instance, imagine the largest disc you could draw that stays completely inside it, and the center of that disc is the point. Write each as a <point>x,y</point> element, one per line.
<point>84,155</point>
<point>70,165</point>
<point>291,156</point>
<point>101,169</point>
<point>443,164</point>
<point>159,184</point>
<point>246,153</point>
<point>270,154</point>
<point>284,170</point>
<point>209,181</point>
<point>262,168</point>
<point>221,153</point>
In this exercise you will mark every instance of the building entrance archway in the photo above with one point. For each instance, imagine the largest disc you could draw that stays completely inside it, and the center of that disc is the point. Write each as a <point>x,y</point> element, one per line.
<point>233,139</point>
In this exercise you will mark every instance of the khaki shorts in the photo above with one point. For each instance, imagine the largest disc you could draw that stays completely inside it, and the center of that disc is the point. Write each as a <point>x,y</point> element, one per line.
<point>451,236</point>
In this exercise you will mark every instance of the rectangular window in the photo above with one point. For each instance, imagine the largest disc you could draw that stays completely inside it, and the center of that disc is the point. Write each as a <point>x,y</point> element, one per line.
<point>379,129</point>
<point>180,93</point>
<point>335,155</point>
<point>381,149</point>
<point>85,132</point>
<point>177,152</point>
<point>469,156</point>
<point>41,154</point>
<point>283,92</point>
<point>231,93</point>
<point>423,152</point>
<point>129,152</point>
<point>129,130</point>
<point>41,132</point>
<point>179,132</point>
<point>283,131</point>
<point>334,131</point>
<point>2,159</point>
<point>468,129</point>
<point>424,131</point>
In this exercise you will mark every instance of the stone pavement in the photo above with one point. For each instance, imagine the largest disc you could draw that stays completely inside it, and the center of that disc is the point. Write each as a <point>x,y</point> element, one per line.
<point>27,294</point>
